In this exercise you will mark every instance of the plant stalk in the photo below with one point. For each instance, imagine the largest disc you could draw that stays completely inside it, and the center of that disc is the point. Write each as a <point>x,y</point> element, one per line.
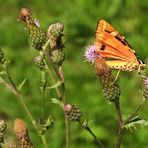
<point>120,124</point>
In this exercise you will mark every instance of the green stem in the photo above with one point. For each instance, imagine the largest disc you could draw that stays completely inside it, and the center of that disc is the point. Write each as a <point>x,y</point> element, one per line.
<point>21,100</point>
<point>43,88</point>
<point>87,128</point>
<point>44,141</point>
<point>13,87</point>
<point>60,75</point>
<point>52,79</point>
<point>120,124</point>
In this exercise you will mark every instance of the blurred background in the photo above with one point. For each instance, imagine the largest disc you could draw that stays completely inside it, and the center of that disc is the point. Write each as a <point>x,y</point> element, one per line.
<point>83,89</point>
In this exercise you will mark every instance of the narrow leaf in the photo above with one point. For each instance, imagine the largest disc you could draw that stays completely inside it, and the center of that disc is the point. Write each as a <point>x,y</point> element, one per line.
<point>21,84</point>
<point>55,101</point>
<point>56,85</point>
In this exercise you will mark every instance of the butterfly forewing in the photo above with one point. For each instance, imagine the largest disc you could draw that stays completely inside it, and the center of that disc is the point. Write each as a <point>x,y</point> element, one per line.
<point>115,49</point>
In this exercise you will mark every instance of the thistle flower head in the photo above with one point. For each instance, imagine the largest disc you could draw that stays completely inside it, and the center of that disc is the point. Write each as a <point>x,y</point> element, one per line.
<point>73,113</point>
<point>1,56</point>
<point>145,89</point>
<point>21,131</point>
<point>55,30</point>
<point>24,14</point>
<point>3,125</point>
<point>37,36</point>
<point>91,54</point>
<point>110,88</point>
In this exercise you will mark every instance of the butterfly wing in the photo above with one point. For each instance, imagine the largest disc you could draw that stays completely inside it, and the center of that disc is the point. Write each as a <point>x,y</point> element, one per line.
<point>114,48</point>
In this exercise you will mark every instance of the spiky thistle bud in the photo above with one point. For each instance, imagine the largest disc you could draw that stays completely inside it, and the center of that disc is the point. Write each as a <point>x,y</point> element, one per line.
<point>3,127</point>
<point>21,131</point>
<point>55,33</point>
<point>145,89</point>
<point>37,36</point>
<point>55,30</point>
<point>73,113</point>
<point>57,57</point>
<point>110,88</point>
<point>39,62</point>
<point>1,56</point>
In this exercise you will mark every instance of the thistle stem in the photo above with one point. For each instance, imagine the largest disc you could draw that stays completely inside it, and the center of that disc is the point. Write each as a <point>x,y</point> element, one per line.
<point>43,88</point>
<point>21,100</point>
<point>97,141</point>
<point>120,124</point>
<point>43,137</point>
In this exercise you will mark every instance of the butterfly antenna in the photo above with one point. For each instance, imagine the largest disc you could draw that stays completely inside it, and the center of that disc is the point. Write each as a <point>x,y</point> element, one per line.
<point>116,76</point>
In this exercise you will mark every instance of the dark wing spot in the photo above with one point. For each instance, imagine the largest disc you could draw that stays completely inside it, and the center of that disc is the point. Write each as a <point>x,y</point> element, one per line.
<point>102,47</point>
<point>107,31</point>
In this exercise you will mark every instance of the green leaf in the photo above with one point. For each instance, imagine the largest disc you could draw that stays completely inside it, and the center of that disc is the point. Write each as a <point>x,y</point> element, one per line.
<point>135,122</point>
<point>55,101</point>
<point>21,85</point>
<point>56,85</point>
<point>3,73</point>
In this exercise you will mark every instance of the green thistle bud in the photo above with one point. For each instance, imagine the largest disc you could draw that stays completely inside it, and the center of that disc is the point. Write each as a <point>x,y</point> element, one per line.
<point>3,127</point>
<point>1,56</point>
<point>39,62</point>
<point>73,113</point>
<point>21,131</point>
<point>55,33</point>
<point>57,57</point>
<point>55,30</point>
<point>110,88</point>
<point>37,36</point>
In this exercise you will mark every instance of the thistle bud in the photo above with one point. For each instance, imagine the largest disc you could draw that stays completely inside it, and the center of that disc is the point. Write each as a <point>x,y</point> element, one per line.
<point>21,131</point>
<point>55,30</point>
<point>73,113</point>
<point>110,88</point>
<point>3,127</point>
<point>145,89</point>
<point>37,36</point>
<point>1,56</point>
<point>39,62</point>
<point>57,57</point>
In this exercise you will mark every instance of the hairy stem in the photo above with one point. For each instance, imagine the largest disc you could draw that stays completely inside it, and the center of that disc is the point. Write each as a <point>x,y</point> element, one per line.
<point>120,124</point>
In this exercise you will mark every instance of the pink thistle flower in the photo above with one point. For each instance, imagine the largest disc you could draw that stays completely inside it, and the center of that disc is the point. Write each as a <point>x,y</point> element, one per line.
<point>145,90</point>
<point>146,82</point>
<point>91,54</point>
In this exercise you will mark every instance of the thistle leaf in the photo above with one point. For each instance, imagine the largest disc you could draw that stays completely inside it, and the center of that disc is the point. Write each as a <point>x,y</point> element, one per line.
<point>135,123</point>
<point>56,85</point>
<point>55,101</point>
<point>21,85</point>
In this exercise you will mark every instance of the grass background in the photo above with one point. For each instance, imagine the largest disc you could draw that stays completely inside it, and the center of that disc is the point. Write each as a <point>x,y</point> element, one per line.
<point>80,18</point>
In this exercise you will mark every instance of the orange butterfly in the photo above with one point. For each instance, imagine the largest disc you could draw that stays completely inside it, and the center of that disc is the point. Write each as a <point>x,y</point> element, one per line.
<point>115,49</point>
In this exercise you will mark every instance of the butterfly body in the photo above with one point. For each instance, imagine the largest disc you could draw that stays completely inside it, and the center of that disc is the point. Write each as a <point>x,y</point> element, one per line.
<point>115,49</point>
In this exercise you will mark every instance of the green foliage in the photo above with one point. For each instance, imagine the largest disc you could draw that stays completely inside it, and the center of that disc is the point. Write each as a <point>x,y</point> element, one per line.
<point>82,87</point>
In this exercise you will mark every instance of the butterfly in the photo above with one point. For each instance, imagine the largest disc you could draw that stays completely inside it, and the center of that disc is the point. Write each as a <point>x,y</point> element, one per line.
<point>115,49</point>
